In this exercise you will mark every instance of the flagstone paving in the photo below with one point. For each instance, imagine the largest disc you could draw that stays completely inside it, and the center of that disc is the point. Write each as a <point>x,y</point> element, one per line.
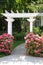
<point>18,57</point>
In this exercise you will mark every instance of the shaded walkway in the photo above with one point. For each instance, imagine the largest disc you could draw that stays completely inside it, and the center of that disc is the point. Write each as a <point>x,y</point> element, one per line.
<point>18,57</point>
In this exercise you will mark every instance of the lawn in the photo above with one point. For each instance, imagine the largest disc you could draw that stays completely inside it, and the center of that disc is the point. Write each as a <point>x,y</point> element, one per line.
<point>16,43</point>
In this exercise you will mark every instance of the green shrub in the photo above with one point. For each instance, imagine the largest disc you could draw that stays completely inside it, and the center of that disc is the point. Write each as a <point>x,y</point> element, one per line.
<point>19,36</point>
<point>28,29</point>
<point>36,30</point>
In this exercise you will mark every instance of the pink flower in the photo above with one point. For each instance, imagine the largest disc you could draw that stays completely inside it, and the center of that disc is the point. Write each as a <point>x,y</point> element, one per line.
<point>12,37</point>
<point>36,43</point>
<point>32,39</point>
<point>1,37</point>
<point>12,41</point>
<point>2,43</point>
<point>25,38</point>
<point>37,51</point>
<point>28,41</point>
<point>6,40</point>
<point>31,34</point>
<point>8,51</point>
<point>37,39</point>
<point>2,49</point>
<point>5,34</point>
<point>41,39</point>
<point>25,45</point>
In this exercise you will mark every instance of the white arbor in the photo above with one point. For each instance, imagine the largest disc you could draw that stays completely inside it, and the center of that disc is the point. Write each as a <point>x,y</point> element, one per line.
<point>12,15</point>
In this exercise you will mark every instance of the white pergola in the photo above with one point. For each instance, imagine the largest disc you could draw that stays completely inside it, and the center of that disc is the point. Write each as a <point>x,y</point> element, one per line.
<point>30,17</point>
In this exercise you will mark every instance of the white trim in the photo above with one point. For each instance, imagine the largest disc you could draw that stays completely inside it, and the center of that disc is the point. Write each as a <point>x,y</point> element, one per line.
<point>20,15</point>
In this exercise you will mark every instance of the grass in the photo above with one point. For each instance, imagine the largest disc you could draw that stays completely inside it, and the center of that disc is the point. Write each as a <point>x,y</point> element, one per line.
<point>16,43</point>
<point>2,54</point>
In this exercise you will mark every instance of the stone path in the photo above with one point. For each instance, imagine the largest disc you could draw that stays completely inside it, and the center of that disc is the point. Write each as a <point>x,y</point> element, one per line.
<point>20,50</point>
<point>18,57</point>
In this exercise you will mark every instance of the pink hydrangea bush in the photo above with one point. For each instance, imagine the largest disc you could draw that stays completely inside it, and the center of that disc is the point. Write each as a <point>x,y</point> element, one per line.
<point>6,42</point>
<point>34,44</point>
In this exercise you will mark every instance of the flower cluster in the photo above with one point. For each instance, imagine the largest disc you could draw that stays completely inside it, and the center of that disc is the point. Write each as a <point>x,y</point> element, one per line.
<point>6,42</point>
<point>34,44</point>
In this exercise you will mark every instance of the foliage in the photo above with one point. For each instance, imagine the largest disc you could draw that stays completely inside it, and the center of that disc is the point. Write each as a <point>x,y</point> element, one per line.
<point>26,5</point>
<point>20,5</point>
<point>34,44</point>
<point>27,29</point>
<point>41,28</point>
<point>6,42</point>
<point>36,30</point>
<point>19,36</point>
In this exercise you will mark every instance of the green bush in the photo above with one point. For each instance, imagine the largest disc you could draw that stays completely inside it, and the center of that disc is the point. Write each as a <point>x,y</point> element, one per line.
<point>19,36</point>
<point>28,29</point>
<point>36,30</point>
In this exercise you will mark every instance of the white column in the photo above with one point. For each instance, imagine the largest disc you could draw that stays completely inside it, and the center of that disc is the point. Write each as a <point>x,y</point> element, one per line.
<point>41,20</point>
<point>9,20</point>
<point>31,24</point>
